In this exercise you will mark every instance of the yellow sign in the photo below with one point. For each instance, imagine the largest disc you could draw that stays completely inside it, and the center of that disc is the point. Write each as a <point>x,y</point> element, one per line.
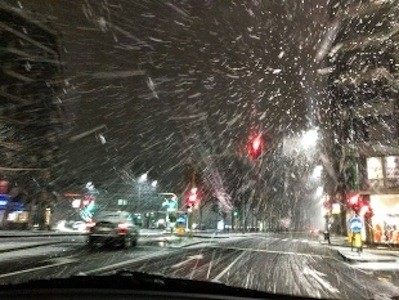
<point>180,230</point>
<point>336,209</point>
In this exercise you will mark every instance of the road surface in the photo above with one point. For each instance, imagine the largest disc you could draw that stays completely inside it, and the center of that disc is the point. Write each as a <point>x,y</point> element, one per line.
<point>271,263</point>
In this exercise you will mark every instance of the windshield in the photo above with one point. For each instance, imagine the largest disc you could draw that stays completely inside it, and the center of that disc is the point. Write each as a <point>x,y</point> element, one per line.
<point>253,143</point>
<point>110,216</point>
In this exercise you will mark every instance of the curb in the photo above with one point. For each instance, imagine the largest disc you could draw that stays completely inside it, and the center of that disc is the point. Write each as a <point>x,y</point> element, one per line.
<point>210,237</point>
<point>185,246</point>
<point>143,241</point>
<point>360,260</point>
<point>28,247</point>
<point>41,235</point>
<point>216,236</point>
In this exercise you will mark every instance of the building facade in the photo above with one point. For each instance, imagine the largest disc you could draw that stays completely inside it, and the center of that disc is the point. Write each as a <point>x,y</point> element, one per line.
<point>30,109</point>
<point>363,91</point>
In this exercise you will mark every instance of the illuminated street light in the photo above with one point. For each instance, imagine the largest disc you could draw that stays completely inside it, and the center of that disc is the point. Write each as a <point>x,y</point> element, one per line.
<point>143,178</point>
<point>319,191</point>
<point>90,186</point>
<point>154,183</point>
<point>309,138</point>
<point>317,172</point>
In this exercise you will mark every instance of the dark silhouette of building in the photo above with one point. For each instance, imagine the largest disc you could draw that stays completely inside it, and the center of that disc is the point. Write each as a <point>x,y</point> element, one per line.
<point>363,94</point>
<point>31,82</point>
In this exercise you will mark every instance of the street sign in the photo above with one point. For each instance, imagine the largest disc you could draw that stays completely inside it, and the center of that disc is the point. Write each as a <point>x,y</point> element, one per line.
<point>171,205</point>
<point>356,224</point>
<point>181,220</point>
<point>4,198</point>
<point>180,230</point>
<point>336,209</point>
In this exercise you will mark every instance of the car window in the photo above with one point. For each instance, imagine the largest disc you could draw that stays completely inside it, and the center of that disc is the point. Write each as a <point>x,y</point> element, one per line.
<point>253,143</point>
<point>109,216</point>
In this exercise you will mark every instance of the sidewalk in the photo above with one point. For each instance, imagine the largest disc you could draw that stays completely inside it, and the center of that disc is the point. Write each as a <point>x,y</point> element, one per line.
<point>212,234</point>
<point>181,242</point>
<point>365,256</point>
<point>217,235</point>
<point>342,241</point>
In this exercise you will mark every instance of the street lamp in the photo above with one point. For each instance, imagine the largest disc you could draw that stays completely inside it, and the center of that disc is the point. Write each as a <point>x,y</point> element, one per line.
<point>90,186</point>
<point>309,138</point>
<point>319,191</point>
<point>143,178</point>
<point>317,172</point>
<point>154,183</point>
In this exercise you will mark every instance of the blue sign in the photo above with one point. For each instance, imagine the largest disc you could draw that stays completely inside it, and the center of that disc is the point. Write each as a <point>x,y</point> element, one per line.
<point>170,204</point>
<point>3,201</point>
<point>356,224</point>
<point>181,220</point>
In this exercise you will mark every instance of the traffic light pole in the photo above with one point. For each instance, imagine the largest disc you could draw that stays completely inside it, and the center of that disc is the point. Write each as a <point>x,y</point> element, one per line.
<point>191,213</point>
<point>355,175</point>
<point>355,171</point>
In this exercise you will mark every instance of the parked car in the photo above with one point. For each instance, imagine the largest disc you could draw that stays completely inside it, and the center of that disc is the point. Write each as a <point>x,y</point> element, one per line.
<point>79,226</point>
<point>113,227</point>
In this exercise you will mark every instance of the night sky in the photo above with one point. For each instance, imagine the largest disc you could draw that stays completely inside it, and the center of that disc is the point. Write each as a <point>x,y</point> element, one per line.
<point>170,79</point>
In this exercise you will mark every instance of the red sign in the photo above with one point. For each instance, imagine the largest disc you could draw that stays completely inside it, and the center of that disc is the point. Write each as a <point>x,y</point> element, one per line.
<point>87,200</point>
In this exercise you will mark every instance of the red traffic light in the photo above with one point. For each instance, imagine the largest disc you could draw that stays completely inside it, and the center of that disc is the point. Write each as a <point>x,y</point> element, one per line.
<point>354,200</point>
<point>192,197</point>
<point>256,143</point>
<point>256,146</point>
<point>360,204</point>
<point>366,211</point>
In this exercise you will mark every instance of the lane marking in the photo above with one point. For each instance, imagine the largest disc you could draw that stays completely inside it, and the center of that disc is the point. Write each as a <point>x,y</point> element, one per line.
<point>210,265</point>
<point>274,252</point>
<point>229,267</point>
<point>321,279</point>
<point>190,258</point>
<point>284,240</point>
<point>126,262</point>
<point>65,261</point>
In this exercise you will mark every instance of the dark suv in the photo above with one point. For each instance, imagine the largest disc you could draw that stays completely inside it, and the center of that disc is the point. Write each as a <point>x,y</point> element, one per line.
<point>113,227</point>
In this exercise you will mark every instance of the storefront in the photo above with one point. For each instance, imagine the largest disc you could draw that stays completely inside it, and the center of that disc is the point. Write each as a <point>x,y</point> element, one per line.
<point>383,188</point>
<point>385,220</point>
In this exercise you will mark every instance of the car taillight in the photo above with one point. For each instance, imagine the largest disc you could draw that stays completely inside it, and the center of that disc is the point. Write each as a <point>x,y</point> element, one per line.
<point>122,228</point>
<point>89,226</point>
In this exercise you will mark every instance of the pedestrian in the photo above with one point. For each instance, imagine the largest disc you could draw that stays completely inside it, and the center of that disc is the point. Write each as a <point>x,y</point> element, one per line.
<point>377,234</point>
<point>356,226</point>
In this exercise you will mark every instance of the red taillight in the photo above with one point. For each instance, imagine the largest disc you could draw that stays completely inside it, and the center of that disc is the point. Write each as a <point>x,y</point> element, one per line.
<point>90,225</point>
<point>122,228</point>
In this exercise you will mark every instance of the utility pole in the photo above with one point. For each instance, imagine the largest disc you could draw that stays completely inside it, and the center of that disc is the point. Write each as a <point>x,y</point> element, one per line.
<point>353,152</point>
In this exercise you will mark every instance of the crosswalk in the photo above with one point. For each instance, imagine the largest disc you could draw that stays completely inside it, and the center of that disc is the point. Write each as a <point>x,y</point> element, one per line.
<point>294,240</point>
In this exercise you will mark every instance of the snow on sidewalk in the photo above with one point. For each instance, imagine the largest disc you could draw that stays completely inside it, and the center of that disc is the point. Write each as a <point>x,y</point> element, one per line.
<point>365,256</point>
